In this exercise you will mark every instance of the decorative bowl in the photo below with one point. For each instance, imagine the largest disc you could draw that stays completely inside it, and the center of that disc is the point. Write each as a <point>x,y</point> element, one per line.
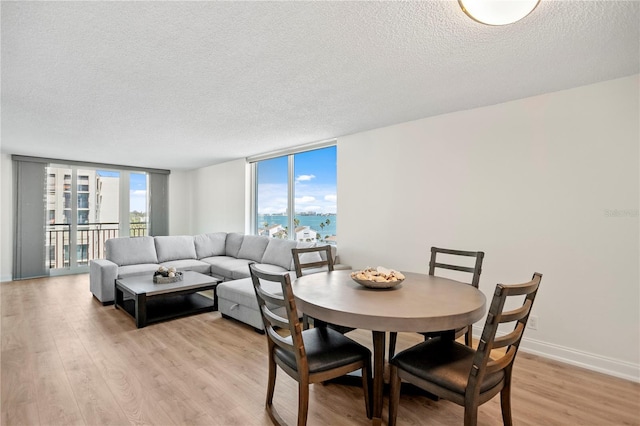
<point>158,278</point>
<point>376,284</point>
<point>379,277</point>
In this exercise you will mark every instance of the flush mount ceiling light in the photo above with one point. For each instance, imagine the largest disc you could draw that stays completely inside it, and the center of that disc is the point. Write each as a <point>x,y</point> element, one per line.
<point>498,12</point>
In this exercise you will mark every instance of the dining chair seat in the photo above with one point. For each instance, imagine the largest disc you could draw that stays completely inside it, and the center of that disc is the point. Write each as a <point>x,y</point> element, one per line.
<point>445,363</point>
<point>326,349</point>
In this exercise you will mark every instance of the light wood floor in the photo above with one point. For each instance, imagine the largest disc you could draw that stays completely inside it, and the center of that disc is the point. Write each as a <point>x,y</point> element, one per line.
<point>68,360</point>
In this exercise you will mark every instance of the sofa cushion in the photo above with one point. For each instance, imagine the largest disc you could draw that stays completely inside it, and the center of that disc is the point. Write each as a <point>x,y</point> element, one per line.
<point>131,250</point>
<point>233,243</point>
<point>253,247</point>
<point>242,292</point>
<point>212,244</point>
<point>139,269</point>
<point>228,267</point>
<point>241,271</point>
<point>175,247</point>
<point>278,252</point>
<point>189,265</point>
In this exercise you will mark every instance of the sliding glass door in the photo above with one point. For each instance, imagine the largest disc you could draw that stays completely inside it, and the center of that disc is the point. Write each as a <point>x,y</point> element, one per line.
<point>85,207</point>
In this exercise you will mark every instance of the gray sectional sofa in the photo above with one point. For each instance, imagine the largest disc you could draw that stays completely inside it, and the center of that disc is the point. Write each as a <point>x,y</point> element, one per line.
<point>225,256</point>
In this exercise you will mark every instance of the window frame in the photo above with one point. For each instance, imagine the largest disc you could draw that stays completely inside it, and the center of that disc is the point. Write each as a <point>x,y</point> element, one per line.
<point>290,154</point>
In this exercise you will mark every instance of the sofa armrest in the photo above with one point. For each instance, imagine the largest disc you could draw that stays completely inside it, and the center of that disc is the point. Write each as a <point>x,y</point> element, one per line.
<point>102,279</point>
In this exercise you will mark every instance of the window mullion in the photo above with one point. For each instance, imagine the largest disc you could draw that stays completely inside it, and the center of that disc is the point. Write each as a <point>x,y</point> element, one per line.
<point>254,226</point>
<point>123,195</point>
<point>291,197</point>
<point>73,230</point>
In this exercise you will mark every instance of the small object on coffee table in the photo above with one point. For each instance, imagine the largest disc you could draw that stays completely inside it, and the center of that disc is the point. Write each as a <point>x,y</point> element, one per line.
<point>166,275</point>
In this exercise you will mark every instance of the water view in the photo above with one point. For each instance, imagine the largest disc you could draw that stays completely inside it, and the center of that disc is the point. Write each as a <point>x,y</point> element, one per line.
<point>309,226</point>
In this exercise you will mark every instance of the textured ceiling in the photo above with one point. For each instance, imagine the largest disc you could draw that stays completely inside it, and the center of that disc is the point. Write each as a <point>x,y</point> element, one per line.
<point>181,85</point>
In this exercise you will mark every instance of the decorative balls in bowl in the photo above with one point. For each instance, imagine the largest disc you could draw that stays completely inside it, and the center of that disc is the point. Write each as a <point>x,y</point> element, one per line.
<point>166,275</point>
<point>379,277</point>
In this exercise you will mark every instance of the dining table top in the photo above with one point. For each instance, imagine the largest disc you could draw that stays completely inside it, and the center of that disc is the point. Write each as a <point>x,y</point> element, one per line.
<point>420,303</point>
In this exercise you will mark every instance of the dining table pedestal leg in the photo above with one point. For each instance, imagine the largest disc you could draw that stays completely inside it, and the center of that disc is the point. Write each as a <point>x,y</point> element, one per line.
<point>378,376</point>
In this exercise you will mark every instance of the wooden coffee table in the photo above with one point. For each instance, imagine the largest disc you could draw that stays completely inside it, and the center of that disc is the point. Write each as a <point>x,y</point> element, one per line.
<point>148,302</point>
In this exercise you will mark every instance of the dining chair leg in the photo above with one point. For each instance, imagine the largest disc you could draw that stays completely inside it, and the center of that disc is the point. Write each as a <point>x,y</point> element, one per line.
<point>394,395</point>
<point>393,337</point>
<point>378,373</point>
<point>366,387</point>
<point>271,382</point>
<point>505,399</point>
<point>468,336</point>
<point>303,402</point>
<point>471,413</point>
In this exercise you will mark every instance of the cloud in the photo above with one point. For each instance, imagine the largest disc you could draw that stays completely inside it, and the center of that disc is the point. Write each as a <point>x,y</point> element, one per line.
<point>272,198</point>
<point>138,200</point>
<point>305,200</point>
<point>305,178</point>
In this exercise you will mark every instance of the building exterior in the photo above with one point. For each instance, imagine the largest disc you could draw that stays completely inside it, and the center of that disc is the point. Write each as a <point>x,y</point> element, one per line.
<point>79,219</point>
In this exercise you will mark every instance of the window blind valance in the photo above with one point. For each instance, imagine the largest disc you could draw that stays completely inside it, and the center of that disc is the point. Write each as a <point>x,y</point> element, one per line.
<point>26,158</point>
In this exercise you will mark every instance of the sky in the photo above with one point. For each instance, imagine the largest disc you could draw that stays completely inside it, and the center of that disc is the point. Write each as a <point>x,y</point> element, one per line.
<point>315,182</point>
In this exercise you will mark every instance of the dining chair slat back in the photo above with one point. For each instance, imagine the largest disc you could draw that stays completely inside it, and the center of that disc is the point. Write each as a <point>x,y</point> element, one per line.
<point>332,354</point>
<point>326,261</point>
<point>475,270</point>
<point>461,374</point>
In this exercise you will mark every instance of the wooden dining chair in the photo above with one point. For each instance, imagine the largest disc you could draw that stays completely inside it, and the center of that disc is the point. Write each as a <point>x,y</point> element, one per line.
<point>460,374</point>
<point>308,356</point>
<point>476,270</point>
<point>315,258</point>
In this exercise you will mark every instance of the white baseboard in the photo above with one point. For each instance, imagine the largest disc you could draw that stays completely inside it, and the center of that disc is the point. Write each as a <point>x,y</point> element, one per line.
<point>610,366</point>
<point>5,278</point>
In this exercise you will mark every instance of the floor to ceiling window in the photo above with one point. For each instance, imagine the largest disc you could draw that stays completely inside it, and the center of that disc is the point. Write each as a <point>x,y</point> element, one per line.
<point>84,209</point>
<point>303,183</point>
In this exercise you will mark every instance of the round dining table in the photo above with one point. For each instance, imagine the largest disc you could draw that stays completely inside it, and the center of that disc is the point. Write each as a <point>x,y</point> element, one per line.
<point>420,303</point>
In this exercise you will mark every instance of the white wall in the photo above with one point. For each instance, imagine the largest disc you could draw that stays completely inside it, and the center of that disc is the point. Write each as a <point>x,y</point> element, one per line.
<point>218,199</point>
<point>6,218</point>
<point>533,184</point>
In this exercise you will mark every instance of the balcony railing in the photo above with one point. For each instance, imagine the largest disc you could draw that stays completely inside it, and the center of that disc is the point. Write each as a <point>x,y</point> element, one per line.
<point>90,238</point>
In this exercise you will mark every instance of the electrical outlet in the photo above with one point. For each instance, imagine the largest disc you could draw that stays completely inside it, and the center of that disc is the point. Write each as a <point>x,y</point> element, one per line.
<point>533,322</point>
